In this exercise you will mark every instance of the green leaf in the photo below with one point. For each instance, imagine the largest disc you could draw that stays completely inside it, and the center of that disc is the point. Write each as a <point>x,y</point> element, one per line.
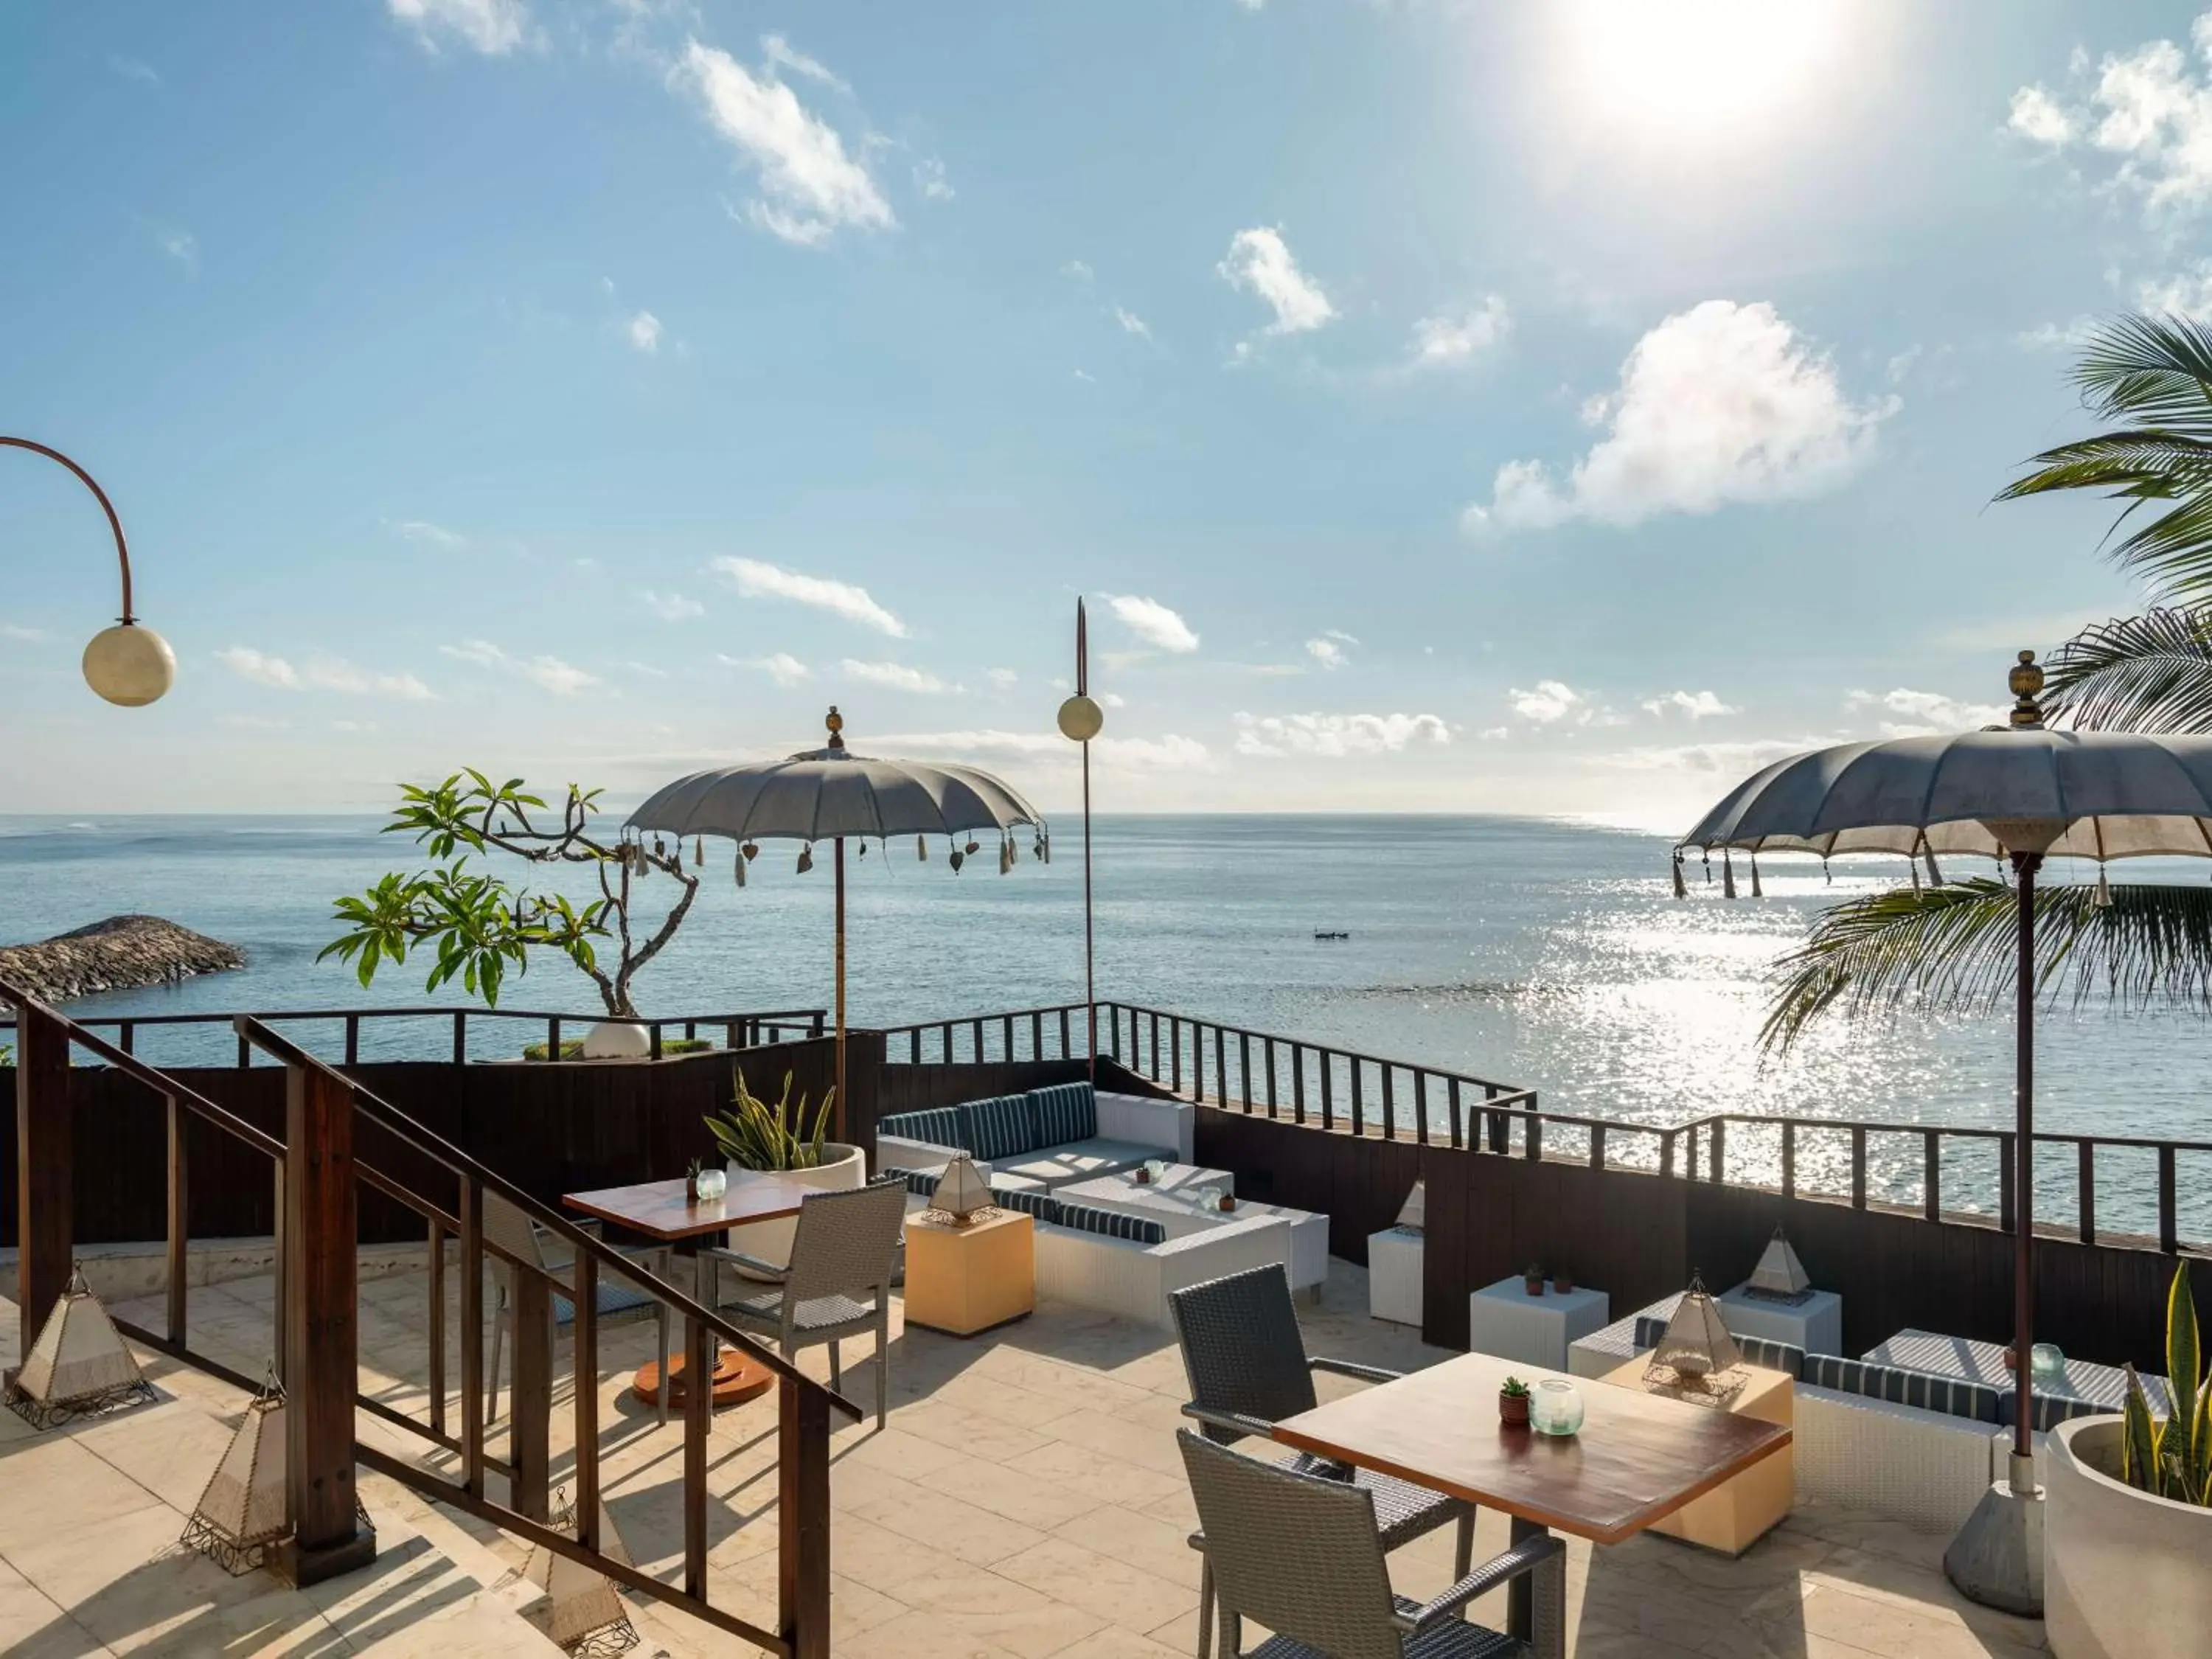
<point>2139,1437</point>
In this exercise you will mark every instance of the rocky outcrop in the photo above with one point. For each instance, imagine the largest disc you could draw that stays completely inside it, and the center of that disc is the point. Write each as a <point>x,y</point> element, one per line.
<point>120,954</point>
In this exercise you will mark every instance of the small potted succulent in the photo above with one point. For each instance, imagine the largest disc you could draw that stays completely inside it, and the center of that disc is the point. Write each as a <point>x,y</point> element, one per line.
<point>1228,1200</point>
<point>1562,1279</point>
<point>1513,1403</point>
<point>1532,1280</point>
<point>691,1183</point>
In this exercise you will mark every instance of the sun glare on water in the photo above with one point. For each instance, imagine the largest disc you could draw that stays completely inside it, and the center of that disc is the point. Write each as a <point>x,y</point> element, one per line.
<point>1695,65</point>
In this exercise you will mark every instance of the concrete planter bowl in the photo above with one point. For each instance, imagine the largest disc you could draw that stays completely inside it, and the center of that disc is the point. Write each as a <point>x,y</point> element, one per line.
<point>2126,1575</point>
<point>841,1169</point>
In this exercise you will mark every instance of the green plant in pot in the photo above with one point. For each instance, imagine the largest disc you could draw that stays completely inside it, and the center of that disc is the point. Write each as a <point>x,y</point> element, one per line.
<point>754,1135</point>
<point>1513,1403</point>
<point>2172,1457</point>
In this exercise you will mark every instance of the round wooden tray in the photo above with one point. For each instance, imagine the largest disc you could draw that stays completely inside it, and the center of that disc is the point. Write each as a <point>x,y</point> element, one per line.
<point>736,1380</point>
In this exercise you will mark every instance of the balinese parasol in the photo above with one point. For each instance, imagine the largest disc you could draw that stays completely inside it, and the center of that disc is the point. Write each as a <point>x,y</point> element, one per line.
<point>2018,793</point>
<point>830,794</point>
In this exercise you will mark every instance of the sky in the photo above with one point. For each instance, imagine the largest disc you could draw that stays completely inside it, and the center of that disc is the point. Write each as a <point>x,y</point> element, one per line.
<point>1481,407</point>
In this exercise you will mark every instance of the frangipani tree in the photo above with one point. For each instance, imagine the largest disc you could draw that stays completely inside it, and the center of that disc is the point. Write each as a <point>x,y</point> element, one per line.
<point>1950,944</point>
<point>480,928</point>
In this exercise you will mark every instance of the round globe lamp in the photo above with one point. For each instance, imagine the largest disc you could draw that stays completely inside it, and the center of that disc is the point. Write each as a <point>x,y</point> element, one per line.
<point>1080,719</point>
<point>130,666</point>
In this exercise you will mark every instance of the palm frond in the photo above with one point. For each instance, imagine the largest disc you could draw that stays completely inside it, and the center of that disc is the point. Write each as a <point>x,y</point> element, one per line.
<point>2153,368</point>
<point>1952,948</point>
<point>2146,464</point>
<point>2146,673</point>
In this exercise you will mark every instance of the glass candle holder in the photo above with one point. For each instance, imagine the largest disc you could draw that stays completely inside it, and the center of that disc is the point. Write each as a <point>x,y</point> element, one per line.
<point>1555,1407</point>
<point>713,1183</point>
<point>2044,1360</point>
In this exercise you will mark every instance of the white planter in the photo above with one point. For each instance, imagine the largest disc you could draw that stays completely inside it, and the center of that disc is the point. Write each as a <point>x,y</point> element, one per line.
<point>2125,1575</point>
<point>842,1167</point>
<point>615,1039</point>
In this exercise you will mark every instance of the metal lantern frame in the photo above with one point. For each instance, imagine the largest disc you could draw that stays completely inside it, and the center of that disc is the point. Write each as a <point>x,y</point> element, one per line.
<point>78,1366</point>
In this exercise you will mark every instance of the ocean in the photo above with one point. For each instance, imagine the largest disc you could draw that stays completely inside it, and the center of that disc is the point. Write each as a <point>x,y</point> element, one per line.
<point>1541,954</point>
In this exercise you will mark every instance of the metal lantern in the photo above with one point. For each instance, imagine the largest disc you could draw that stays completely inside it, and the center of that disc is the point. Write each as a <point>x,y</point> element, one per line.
<point>962,1196</point>
<point>1696,1348</point>
<point>1779,1276</point>
<point>79,1366</point>
<point>241,1513</point>
<point>586,1615</point>
<point>1410,1214</point>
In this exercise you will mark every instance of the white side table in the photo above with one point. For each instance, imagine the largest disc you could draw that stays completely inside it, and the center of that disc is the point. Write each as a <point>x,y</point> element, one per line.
<point>1394,1275</point>
<point>1815,1324</point>
<point>1504,1319</point>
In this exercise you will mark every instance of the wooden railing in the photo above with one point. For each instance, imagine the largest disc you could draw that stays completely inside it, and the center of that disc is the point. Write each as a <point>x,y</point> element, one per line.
<point>747,1029</point>
<point>1337,1089</point>
<point>314,1340</point>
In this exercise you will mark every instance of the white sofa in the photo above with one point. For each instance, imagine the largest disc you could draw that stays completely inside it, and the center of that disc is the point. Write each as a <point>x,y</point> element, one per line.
<point>1133,1280</point>
<point>1110,1133</point>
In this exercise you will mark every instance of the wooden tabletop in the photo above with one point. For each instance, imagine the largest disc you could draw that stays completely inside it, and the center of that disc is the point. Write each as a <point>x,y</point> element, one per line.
<point>660,1210</point>
<point>1636,1461</point>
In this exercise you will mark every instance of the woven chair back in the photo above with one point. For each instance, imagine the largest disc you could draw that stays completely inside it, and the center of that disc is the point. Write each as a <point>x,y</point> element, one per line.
<point>1296,1553</point>
<point>845,1242</point>
<point>1241,1347</point>
<point>508,1227</point>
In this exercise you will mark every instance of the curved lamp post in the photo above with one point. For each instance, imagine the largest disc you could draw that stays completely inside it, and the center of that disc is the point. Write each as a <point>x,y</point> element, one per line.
<point>125,664</point>
<point>1081,720</point>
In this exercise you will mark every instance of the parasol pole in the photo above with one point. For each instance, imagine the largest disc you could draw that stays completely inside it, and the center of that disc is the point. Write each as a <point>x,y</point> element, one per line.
<point>1080,719</point>
<point>2025,865</point>
<point>839,1118</point>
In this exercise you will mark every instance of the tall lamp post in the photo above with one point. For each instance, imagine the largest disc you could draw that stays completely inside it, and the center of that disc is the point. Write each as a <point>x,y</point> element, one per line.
<point>125,664</point>
<point>1081,720</point>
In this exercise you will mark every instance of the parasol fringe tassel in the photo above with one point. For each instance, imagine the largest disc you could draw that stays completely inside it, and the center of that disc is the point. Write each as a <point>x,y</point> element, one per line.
<point>1935,875</point>
<point>1913,864</point>
<point>1756,891</point>
<point>698,852</point>
<point>921,848</point>
<point>1706,853</point>
<point>1826,874</point>
<point>741,869</point>
<point>806,858</point>
<point>2103,900</point>
<point>1728,874</point>
<point>1681,889</point>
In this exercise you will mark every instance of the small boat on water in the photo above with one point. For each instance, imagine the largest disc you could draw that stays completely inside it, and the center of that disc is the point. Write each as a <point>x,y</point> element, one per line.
<point>1324,933</point>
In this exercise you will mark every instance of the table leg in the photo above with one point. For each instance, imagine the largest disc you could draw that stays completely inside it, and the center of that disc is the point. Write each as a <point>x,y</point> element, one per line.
<point>1521,1593</point>
<point>735,1378</point>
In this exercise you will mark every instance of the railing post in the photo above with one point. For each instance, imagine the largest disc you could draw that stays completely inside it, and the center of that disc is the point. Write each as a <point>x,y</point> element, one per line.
<point>1421,1106</point>
<point>1175,1053</point>
<point>1533,1150</point>
<point>179,1218</point>
<point>803,1520</point>
<point>1066,1039</point>
<point>45,1209</point>
<point>281,1228</point>
<point>2169,1231</point>
<point>1931,1175</point>
<point>461,1037</point>
<point>1389,1105</point>
<point>1358,1105</point>
<point>530,1402</point>
<point>472,1376</point>
<point>2086,1151</point>
<point>1244,1069</point>
<point>1268,1045</point>
<point>1298,1081</point>
<point>437,1312</point>
<point>353,1039</point>
<point>698,1423</point>
<point>1858,1166</point>
<point>586,1291</point>
<point>2007,1187</point>
<point>1327,1090</point>
<point>1667,1150</point>
<point>1597,1146</point>
<point>321,1233</point>
<point>1720,1150</point>
<point>1789,1160</point>
<point>553,1038</point>
<point>1500,1126</point>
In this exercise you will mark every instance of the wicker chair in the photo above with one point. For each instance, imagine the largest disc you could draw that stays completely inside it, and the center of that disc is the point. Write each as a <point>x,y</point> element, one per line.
<point>1247,1367</point>
<point>1303,1555</point>
<point>838,1283</point>
<point>511,1230</point>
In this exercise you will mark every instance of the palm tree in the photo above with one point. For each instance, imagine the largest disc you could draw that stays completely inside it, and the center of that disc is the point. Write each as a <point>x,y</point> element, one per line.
<point>1950,945</point>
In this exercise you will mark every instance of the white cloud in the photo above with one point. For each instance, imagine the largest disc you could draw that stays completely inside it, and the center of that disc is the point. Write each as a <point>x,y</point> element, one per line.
<point>644,670</point>
<point>1075,269</point>
<point>1001,677</point>
<point>1112,700</point>
<point>1926,713</point>
<point>1260,262</point>
<point>2150,110</point>
<point>353,726</point>
<point>2186,293</point>
<point>321,674</point>
<point>492,26</point>
<point>1153,622</point>
<point>671,607</point>
<point>1328,652</point>
<point>1087,377</point>
<point>1335,736</point>
<point>548,672</point>
<point>754,580</point>
<point>1132,324</point>
<point>130,69</point>
<point>809,186</point>
<point>783,668</point>
<point>18,632</point>
<point>1168,753</point>
<point>436,535</point>
<point>1548,701</point>
<point>780,51</point>
<point>1493,733</point>
<point>929,177</point>
<point>1697,705</point>
<point>1722,402</point>
<point>644,331</point>
<point>2056,337</point>
<point>1727,760</point>
<point>894,675</point>
<point>1446,339</point>
<point>180,245</point>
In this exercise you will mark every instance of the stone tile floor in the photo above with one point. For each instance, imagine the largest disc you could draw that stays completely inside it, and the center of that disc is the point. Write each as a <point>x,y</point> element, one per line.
<point>1025,1500</point>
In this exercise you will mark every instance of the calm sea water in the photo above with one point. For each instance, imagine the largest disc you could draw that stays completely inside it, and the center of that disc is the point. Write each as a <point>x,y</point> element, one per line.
<point>1540,954</point>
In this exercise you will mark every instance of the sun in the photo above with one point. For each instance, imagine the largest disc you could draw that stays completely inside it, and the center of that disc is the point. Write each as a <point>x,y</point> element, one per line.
<point>1697,66</point>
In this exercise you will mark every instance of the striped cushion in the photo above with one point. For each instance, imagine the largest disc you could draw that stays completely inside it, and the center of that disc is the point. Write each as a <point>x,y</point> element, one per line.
<point>999,1127</point>
<point>1043,1206</point>
<point>922,1183</point>
<point>2046,1411</point>
<point>938,1127</point>
<point>613,1295</point>
<point>1113,1224</point>
<point>1064,1112</point>
<point>1649,1330</point>
<point>1922,1389</point>
<point>1756,1350</point>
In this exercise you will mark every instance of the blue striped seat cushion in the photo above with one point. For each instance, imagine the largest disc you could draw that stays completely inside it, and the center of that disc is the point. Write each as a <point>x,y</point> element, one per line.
<point>1113,1224</point>
<point>1923,1389</point>
<point>1756,1350</point>
<point>1064,1112</point>
<point>1043,1206</point>
<point>613,1295</point>
<point>999,1127</point>
<point>922,1183</point>
<point>938,1127</point>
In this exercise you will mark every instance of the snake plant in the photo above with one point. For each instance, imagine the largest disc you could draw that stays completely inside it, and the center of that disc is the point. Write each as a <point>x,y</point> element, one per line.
<point>754,1135</point>
<point>2172,1458</point>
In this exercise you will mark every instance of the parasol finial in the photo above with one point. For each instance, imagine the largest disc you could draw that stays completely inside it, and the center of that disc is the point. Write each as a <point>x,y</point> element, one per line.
<point>2026,680</point>
<point>835,722</point>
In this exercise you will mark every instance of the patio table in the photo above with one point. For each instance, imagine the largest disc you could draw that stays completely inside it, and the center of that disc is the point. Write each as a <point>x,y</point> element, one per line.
<point>1638,1460</point>
<point>659,1209</point>
<point>1983,1363</point>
